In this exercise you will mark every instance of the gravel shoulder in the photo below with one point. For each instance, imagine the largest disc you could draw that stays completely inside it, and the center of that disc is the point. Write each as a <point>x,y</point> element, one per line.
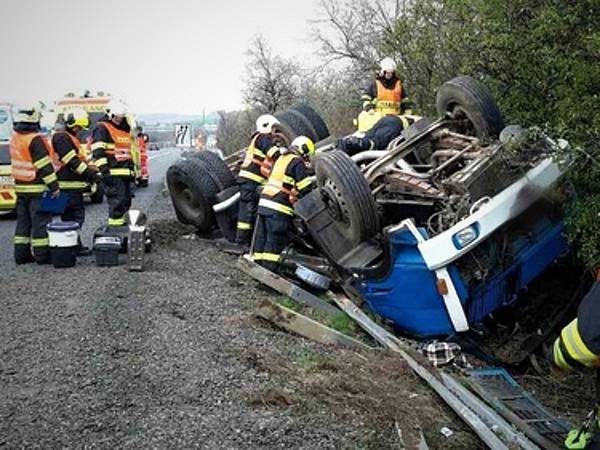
<point>173,357</point>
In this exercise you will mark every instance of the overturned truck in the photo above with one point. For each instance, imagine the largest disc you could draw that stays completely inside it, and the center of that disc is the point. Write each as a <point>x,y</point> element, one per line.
<point>435,232</point>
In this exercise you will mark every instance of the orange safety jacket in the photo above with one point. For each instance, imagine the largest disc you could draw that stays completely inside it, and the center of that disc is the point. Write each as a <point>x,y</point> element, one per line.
<point>121,150</point>
<point>388,100</point>
<point>20,156</point>
<point>31,164</point>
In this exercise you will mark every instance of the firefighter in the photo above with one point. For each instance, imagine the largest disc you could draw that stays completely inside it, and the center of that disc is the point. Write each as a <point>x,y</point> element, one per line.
<point>288,182</point>
<point>111,147</point>
<point>74,175</point>
<point>578,347</point>
<point>250,177</point>
<point>385,102</point>
<point>33,172</point>
<point>142,140</point>
<point>386,93</point>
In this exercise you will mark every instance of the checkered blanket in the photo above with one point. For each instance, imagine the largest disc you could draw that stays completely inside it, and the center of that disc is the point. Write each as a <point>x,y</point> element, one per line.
<point>443,353</point>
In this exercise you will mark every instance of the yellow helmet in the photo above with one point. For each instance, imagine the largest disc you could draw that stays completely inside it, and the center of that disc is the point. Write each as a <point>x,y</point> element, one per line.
<point>77,117</point>
<point>303,145</point>
<point>26,114</point>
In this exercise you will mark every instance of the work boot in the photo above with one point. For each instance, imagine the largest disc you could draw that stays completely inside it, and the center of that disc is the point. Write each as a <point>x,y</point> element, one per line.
<point>232,248</point>
<point>23,256</point>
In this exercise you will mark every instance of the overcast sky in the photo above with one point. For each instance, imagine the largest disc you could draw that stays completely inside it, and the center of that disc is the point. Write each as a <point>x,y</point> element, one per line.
<point>159,56</point>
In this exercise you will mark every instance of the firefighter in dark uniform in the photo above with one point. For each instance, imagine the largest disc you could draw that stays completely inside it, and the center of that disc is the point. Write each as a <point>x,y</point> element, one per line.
<point>111,147</point>
<point>288,182</point>
<point>250,177</point>
<point>74,175</point>
<point>578,347</point>
<point>33,172</point>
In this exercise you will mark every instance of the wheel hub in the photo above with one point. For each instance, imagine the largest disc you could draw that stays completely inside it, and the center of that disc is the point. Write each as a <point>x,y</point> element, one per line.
<point>336,206</point>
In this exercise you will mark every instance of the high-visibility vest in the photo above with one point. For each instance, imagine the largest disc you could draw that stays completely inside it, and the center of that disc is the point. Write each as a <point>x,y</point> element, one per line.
<point>21,161</point>
<point>267,165</point>
<point>252,162</point>
<point>388,100</point>
<point>121,147</point>
<point>280,183</point>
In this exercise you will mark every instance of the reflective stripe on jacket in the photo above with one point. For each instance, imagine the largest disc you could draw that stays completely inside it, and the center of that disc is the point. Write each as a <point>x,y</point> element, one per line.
<point>111,148</point>
<point>253,160</point>
<point>287,180</point>
<point>70,166</point>
<point>20,156</point>
<point>388,100</point>
<point>120,148</point>
<point>31,163</point>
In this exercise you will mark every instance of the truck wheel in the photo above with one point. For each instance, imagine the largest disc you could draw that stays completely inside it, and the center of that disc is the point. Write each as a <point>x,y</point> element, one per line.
<point>98,196</point>
<point>193,193</point>
<point>218,167</point>
<point>465,97</point>
<point>347,195</point>
<point>315,119</point>
<point>299,125</point>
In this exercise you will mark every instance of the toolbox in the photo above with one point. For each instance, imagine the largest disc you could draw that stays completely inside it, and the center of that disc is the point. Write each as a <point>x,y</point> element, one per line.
<point>106,250</point>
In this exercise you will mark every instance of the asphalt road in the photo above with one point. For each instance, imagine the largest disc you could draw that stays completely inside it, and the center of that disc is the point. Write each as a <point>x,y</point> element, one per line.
<point>96,214</point>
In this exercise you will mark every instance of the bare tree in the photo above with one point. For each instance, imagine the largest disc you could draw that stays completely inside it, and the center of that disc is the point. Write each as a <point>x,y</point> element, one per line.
<point>234,130</point>
<point>272,81</point>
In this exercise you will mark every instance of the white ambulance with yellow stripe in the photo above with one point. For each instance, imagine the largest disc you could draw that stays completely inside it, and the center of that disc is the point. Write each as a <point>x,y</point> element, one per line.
<point>95,107</point>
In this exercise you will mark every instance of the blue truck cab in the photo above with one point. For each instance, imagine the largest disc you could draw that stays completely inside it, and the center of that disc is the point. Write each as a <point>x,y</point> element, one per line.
<point>428,286</point>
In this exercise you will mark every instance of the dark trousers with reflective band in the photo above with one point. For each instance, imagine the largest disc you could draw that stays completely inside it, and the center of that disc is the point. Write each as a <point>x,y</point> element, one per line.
<point>247,211</point>
<point>118,196</point>
<point>30,231</point>
<point>75,210</point>
<point>272,237</point>
<point>571,352</point>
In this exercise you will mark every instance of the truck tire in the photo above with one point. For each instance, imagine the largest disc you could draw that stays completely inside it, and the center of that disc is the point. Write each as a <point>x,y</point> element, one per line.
<point>346,192</point>
<point>98,196</point>
<point>217,166</point>
<point>314,118</point>
<point>298,124</point>
<point>466,97</point>
<point>193,192</point>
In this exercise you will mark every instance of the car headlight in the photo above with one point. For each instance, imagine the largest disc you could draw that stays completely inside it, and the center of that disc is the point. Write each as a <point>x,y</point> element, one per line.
<point>465,236</point>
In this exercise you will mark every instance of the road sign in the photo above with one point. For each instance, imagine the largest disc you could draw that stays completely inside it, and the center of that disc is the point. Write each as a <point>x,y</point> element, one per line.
<point>183,134</point>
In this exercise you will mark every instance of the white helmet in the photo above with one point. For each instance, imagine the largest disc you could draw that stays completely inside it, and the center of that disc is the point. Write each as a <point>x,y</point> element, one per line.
<point>264,124</point>
<point>116,108</point>
<point>27,114</point>
<point>387,65</point>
